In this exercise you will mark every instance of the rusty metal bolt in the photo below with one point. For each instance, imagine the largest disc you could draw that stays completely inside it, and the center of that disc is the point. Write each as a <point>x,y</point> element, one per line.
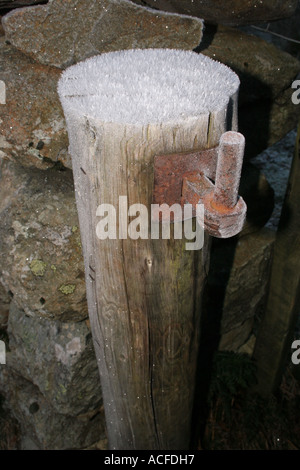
<point>229,167</point>
<point>186,178</point>
<point>225,211</point>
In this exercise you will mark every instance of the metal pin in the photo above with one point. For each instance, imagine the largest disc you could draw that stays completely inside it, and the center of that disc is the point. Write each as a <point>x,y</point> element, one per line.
<point>229,167</point>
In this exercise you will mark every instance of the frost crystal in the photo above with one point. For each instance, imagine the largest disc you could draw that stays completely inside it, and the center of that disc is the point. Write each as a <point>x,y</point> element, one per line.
<point>146,86</point>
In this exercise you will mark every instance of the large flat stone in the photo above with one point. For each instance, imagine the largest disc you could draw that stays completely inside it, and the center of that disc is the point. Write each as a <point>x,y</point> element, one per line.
<point>58,358</point>
<point>41,426</point>
<point>248,277</point>
<point>41,256</point>
<point>259,197</point>
<point>4,307</point>
<point>264,69</point>
<point>285,29</point>
<point>10,4</point>
<point>237,287</point>
<point>266,110</point>
<point>231,12</point>
<point>62,33</point>
<point>32,124</point>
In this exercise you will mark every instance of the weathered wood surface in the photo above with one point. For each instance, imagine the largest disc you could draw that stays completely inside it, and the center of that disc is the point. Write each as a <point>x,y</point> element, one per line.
<point>144,296</point>
<point>144,301</point>
<point>273,344</point>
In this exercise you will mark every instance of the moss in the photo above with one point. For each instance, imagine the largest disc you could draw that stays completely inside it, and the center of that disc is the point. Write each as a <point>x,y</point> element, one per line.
<point>63,389</point>
<point>241,419</point>
<point>74,228</point>
<point>28,338</point>
<point>38,267</point>
<point>67,289</point>
<point>53,267</point>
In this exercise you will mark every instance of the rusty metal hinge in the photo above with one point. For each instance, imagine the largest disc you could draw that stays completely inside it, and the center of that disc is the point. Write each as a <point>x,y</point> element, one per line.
<point>210,177</point>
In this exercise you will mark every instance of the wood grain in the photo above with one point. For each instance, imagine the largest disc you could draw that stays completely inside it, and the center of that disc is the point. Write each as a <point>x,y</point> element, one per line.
<point>144,296</point>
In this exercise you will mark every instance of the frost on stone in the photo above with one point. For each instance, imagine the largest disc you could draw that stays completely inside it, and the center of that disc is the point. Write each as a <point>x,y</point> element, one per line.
<point>146,86</point>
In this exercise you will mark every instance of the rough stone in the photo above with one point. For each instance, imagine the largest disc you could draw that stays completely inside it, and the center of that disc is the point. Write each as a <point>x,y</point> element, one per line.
<point>284,30</point>
<point>265,124</point>
<point>248,347</point>
<point>32,123</point>
<point>261,66</point>
<point>275,163</point>
<point>41,427</point>
<point>62,33</point>
<point>10,4</point>
<point>237,337</point>
<point>9,429</point>
<point>235,12</point>
<point>259,197</point>
<point>58,358</point>
<point>248,281</point>
<point>266,111</point>
<point>5,300</point>
<point>41,256</point>
<point>33,126</point>
<point>237,285</point>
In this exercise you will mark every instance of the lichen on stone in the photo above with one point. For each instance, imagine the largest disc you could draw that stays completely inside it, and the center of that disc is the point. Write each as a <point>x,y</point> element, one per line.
<point>38,267</point>
<point>67,289</point>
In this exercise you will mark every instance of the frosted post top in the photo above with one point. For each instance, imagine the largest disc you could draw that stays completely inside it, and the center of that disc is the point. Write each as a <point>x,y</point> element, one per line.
<point>146,86</point>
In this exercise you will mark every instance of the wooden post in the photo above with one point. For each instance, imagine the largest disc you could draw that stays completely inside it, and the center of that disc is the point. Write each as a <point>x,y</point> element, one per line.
<point>276,331</point>
<point>144,295</point>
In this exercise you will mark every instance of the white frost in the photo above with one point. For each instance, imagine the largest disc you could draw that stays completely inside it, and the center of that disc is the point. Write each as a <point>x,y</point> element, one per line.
<point>146,86</point>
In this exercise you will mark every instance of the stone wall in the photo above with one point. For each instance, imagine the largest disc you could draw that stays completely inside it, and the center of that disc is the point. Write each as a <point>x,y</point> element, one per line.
<point>50,383</point>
